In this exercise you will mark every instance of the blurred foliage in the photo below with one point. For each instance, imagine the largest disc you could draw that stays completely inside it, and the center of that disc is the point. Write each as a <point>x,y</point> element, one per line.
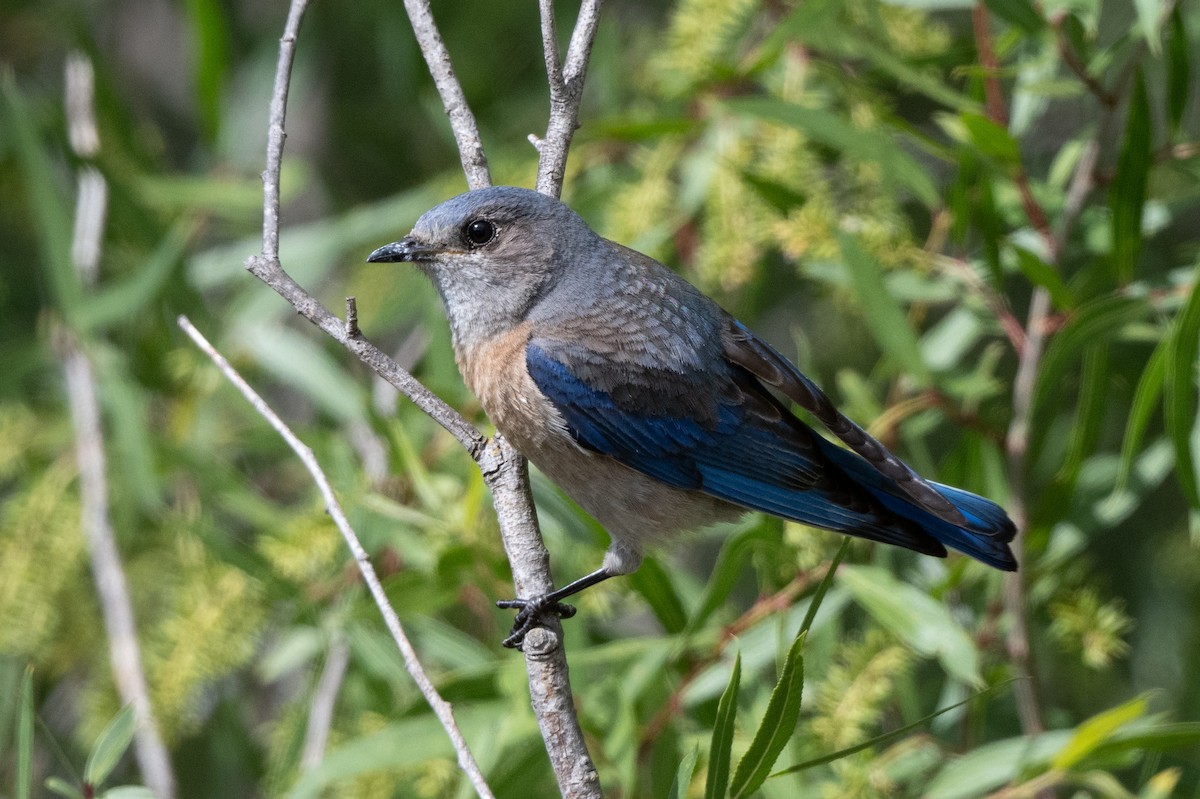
<point>834,174</point>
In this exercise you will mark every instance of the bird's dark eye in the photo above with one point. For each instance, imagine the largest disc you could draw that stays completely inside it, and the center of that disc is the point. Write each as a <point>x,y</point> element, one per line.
<point>480,232</point>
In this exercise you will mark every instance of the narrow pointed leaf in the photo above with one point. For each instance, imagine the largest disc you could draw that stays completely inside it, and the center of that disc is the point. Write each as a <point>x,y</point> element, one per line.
<point>777,727</point>
<point>823,587</point>
<point>1180,392</point>
<point>883,314</point>
<point>109,747</point>
<point>654,584</point>
<point>683,777</point>
<point>720,750</point>
<point>1097,730</point>
<point>23,787</point>
<point>1145,403</point>
<point>879,740</point>
<point>1042,274</point>
<point>46,203</point>
<point>1178,70</point>
<point>1128,194</point>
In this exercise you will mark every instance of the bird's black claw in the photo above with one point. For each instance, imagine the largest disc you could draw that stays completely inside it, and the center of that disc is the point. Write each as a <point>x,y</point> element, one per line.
<point>529,613</point>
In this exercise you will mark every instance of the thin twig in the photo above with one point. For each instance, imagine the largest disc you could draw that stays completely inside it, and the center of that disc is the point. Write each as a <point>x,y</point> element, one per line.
<point>440,707</point>
<point>1017,440</point>
<point>504,470</point>
<point>107,571</point>
<point>566,91</point>
<point>324,699</point>
<point>454,102</point>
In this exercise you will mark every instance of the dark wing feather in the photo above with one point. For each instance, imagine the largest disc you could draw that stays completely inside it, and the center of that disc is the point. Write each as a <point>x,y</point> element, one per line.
<point>765,363</point>
<point>727,438</point>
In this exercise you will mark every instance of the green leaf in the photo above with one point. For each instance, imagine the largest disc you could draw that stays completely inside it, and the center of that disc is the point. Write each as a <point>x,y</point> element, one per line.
<point>883,315</point>
<point>683,776</point>
<point>1097,730</point>
<point>720,750</point>
<point>778,724</point>
<point>122,301</point>
<point>23,781</point>
<point>1179,400</point>
<point>1145,402</point>
<point>1155,738</point>
<point>1178,70</point>
<point>401,744</point>
<point>899,168</point>
<point>210,49</point>
<point>109,747</point>
<point>991,139</point>
<point>823,587</point>
<point>879,740</point>
<point>63,788</point>
<point>1150,14</point>
<point>1093,323</point>
<point>1127,197</point>
<point>729,568</point>
<point>1090,409</point>
<point>916,618</point>
<point>1042,274</point>
<point>1020,13</point>
<point>993,764</point>
<point>654,585</point>
<point>51,213</point>
<point>128,792</point>
<point>778,196</point>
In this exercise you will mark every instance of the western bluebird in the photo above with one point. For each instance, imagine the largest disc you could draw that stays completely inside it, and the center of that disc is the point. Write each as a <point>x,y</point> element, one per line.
<point>650,405</point>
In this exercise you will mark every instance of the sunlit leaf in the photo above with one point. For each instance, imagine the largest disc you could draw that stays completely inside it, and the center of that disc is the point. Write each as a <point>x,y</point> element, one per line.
<point>1097,730</point>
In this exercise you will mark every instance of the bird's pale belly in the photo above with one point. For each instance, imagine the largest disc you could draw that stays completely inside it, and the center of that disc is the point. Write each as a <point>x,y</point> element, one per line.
<point>635,509</point>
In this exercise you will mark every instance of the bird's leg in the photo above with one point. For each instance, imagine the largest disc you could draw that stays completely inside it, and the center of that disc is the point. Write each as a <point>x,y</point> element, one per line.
<point>529,611</point>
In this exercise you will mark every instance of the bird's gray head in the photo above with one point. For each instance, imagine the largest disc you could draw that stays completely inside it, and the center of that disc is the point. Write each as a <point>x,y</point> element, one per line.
<point>492,253</point>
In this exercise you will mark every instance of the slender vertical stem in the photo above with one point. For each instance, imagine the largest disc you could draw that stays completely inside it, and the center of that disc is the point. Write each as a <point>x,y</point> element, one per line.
<point>107,569</point>
<point>566,91</point>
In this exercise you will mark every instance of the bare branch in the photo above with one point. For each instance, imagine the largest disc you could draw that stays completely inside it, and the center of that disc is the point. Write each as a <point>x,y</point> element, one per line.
<point>440,707</point>
<point>275,131</point>
<point>503,468</point>
<point>320,713</point>
<point>107,571</point>
<point>566,91</point>
<point>462,121</point>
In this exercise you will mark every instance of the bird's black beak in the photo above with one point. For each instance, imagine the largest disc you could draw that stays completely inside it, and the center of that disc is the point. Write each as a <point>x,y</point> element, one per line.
<point>406,250</point>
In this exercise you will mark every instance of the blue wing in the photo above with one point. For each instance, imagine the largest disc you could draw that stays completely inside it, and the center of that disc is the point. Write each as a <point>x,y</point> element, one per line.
<point>719,431</point>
